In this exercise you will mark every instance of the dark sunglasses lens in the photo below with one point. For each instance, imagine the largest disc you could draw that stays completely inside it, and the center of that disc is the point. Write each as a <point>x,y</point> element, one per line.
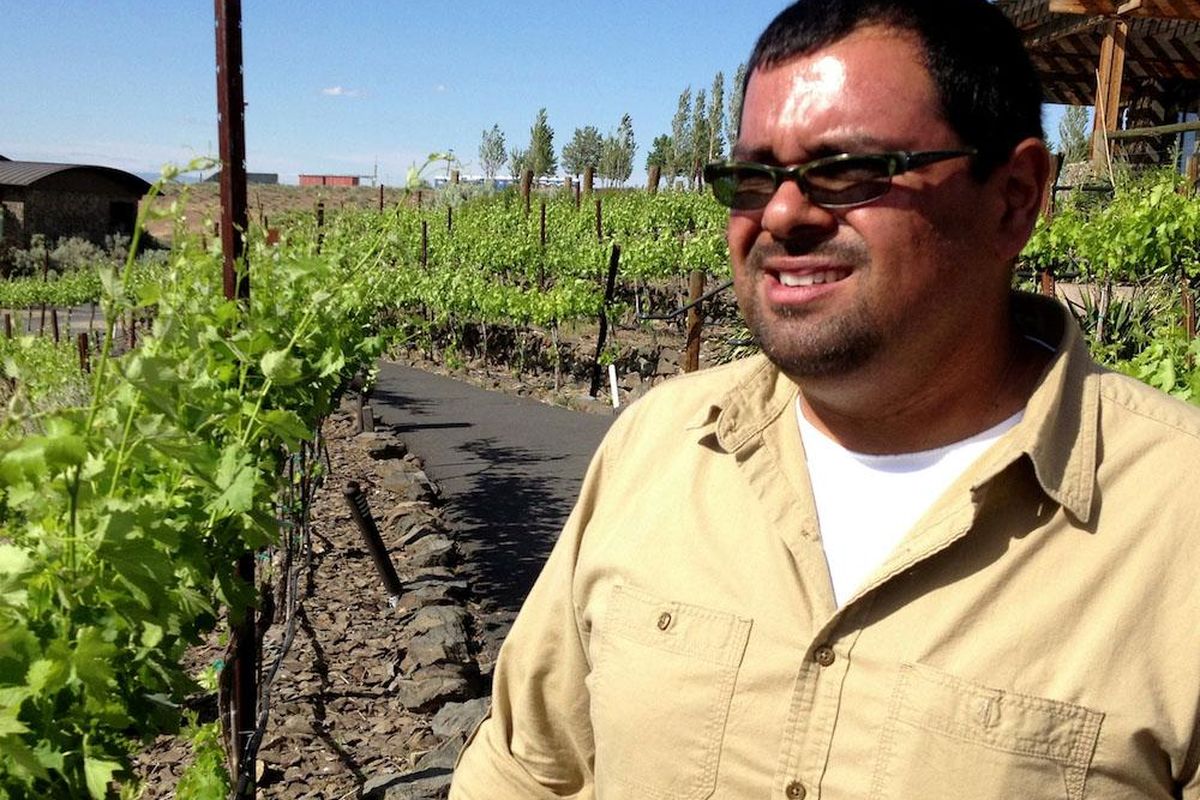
<point>848,182</point>
<point>743,188</point>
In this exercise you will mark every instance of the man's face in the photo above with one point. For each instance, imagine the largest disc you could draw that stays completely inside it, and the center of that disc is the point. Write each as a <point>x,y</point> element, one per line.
<point>828,292</point>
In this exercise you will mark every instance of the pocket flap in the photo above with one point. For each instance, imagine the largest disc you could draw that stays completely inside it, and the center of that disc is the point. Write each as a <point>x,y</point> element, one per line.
<point>674,627</point>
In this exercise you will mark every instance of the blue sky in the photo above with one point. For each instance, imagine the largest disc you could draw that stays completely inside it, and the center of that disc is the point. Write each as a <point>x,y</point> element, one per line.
<point>337,87</point>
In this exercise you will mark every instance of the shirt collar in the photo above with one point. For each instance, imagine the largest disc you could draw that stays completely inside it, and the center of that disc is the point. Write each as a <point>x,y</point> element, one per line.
<point>1059,432</point>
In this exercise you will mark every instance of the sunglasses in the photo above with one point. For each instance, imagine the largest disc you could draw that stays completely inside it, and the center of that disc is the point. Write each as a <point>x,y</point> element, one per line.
<point>842,181</point>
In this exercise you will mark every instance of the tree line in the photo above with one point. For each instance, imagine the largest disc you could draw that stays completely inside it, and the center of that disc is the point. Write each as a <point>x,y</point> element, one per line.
<point>703,125</point>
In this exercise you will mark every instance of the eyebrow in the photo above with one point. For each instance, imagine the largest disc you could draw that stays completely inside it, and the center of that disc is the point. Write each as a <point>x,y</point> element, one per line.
<point>833,147</point>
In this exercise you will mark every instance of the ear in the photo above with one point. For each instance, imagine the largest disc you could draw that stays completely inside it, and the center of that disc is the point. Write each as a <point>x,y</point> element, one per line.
<point>1022,185</point>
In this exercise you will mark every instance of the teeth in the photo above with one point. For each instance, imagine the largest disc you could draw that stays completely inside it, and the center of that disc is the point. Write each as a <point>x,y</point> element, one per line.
<point>809,278</point>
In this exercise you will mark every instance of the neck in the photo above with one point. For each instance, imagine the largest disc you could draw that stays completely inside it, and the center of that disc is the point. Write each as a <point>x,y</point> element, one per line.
<point>906,408</point>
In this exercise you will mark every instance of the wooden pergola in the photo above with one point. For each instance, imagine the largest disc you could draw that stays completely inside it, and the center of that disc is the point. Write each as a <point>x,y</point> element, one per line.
<point>1140,57</point>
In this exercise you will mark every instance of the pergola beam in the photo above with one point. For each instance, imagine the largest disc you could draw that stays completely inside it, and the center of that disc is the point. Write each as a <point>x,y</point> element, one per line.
<point>1108,86</point>
<point>1154,9</point>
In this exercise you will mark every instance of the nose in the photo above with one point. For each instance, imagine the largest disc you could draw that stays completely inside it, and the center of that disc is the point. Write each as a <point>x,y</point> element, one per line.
<point>790,214</point>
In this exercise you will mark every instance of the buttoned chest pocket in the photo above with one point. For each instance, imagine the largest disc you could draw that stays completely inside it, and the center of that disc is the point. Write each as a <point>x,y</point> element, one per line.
<point>948,738</point>
<point>660,687</point>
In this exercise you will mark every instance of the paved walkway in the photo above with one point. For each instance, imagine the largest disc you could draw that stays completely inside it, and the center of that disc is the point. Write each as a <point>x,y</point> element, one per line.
<point>509,468</point>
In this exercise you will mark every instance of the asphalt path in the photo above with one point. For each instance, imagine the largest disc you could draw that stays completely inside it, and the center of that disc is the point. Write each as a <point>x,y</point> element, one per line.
<point>509,468</point>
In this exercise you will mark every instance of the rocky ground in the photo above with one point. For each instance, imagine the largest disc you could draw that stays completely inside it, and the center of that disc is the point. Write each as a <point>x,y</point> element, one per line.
<point>371,700</point>
<point>374,698</point>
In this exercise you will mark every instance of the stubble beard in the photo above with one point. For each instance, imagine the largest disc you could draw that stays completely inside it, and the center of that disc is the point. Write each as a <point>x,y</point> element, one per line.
<point>804,344</point>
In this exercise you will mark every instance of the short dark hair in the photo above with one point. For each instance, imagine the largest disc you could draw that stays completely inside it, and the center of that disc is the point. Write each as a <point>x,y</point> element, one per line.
<point>989,91</point>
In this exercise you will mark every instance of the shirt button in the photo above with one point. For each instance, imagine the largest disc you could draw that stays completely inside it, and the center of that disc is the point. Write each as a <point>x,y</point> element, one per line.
<point>664,621</point>
<point>795,791</point>
<point>824,655</point>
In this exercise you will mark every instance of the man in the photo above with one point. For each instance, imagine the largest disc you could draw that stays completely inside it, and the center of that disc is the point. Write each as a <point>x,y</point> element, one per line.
<point>924,548</point>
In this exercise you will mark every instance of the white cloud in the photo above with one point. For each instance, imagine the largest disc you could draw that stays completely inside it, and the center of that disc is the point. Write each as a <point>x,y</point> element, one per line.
<point>441,87</point>
<point>339,91</point>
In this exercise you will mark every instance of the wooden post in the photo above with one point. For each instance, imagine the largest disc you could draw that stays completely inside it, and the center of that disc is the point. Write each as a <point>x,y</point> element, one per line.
<point>1189,308</point>
<point>1046,277</point>
<point>695,321</point>
<point>454,177</point>
<point>589,177</point>
<point>420,196</point>
<point>449,220</point>
<point>569,185</point>
<point>8,334</point>
<point>82,343</point>
<point>1056,163</point>
<point>424,243</point>
<point>243,685</point>
<point>526,186</point>
<point>54,325</point>
<point>1193,169</point>
<point>1108,87</point>
<point>320,224</point>
<point>652,178</point>
<point>381,198</point>
<point>599,223</point>
<point>578,195</point>
<point>610,287</point>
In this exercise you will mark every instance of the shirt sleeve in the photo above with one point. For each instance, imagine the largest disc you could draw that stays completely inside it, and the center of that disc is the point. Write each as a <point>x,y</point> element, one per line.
<point>536,743</point>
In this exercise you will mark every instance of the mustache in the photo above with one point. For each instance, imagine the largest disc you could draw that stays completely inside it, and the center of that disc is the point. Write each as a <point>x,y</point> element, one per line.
<point>852,253</point>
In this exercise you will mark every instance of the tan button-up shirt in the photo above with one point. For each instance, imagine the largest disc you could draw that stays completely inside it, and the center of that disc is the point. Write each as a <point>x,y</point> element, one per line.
<point>1036,635</point>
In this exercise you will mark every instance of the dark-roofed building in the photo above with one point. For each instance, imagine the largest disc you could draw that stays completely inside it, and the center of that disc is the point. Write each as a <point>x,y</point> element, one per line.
<point>64,200</point>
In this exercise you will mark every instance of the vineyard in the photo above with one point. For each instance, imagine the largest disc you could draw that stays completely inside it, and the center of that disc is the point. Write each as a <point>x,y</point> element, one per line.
<point>139,463</point>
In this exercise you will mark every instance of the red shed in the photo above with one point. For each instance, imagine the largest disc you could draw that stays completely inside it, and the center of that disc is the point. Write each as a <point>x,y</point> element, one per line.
<point>329,180</point>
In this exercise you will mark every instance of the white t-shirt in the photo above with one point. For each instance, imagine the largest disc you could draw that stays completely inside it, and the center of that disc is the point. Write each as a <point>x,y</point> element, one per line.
<point>866,504</point>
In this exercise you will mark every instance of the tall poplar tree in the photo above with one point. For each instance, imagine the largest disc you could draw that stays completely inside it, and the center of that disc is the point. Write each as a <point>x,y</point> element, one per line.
<point>735,102</point>
<point>583,151</point>
<point>681,136</point>
<point>492,154</point>
<point>699,137</point>
<point>541,158</point>
<point>716,119</point>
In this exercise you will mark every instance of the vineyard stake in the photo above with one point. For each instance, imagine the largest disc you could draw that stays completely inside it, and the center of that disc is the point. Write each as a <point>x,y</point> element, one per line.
<point>449,220</point>
<point>652,178</point>
<point>54,325</point>
<point>82,343</point>
<point>609,289</point>
<point>381,198</point>
<point>320,225</point>
<point>542,262</point>
<point>1047,281</point>
<point>42,322</point>
<point>599,222</point>
<point>8,326</point>
<point>695,321</point>
<point>589,177</point>
<point>232,126</point>
<point>424,243</point>
<point>361,513</point>
<point>526,186</point>
<point>1189,308</point>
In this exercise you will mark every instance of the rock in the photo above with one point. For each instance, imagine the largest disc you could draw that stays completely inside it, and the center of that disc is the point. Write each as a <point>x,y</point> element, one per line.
<point>430,617</point>
<point>432,687</point>
<point>425,784</point>
<point>435,550</point>
<point>427,593</point>
<point>444,756</point>
<point>382,445</point>
<point>443,644</point>
<point>416,532</point>
<point>457,720</point>
<point>404,481</point>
